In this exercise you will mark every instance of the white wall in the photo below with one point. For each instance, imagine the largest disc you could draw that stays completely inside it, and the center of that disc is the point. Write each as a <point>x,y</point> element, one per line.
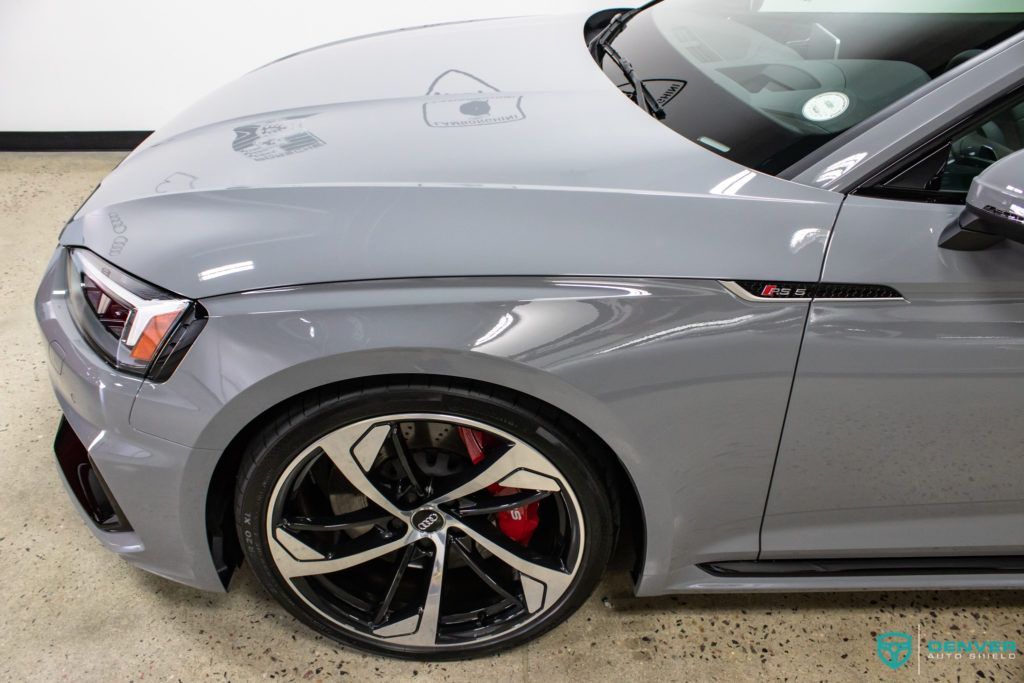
<point>69,65</point>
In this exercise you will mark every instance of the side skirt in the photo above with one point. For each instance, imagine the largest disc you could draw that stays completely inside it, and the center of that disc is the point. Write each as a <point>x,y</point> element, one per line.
<point>1005,572</point>
<point>888,566</point>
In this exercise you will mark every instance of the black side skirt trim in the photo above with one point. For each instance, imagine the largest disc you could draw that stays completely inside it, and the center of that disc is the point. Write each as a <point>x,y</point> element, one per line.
<point>886,566</point>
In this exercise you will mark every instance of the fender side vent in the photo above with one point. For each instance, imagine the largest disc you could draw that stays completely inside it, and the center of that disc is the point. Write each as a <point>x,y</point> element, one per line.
<point>827,290</point>
<point>781,290</point>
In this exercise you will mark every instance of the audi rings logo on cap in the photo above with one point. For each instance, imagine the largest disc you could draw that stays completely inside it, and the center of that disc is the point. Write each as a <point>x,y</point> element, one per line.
<point>427,521</point>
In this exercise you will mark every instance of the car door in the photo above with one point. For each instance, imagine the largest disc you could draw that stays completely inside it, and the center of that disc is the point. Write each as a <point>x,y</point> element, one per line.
<point>904,436</point>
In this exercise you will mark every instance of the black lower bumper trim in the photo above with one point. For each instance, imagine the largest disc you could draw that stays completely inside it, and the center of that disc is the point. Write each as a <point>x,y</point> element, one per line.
<point>85,481</point>
<point>884,566</point>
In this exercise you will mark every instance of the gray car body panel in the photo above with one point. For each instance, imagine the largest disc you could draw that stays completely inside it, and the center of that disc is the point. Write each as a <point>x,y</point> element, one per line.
<point>469,215</point>
<point>903,435</point>
<point>389,195</point>
<point>159,483</point>
<point>383,176</point>
<point>606,352</point>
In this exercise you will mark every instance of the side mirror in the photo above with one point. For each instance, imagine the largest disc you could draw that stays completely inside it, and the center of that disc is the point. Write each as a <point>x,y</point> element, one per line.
<point>995,208</point>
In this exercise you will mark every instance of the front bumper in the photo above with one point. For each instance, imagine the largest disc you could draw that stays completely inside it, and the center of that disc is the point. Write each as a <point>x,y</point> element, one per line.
<point>159,487</point>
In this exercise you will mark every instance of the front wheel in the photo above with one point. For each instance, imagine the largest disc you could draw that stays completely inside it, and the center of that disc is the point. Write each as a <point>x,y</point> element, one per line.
<point>424,522</point>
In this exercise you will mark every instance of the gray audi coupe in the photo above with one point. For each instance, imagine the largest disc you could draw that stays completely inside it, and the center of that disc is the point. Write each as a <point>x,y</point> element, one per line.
<point>421,324</point>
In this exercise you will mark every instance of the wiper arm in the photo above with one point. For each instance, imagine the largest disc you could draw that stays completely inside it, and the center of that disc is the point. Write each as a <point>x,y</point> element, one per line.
<point>601,46</point>
<point>603,39</point>
<point>641,95</point>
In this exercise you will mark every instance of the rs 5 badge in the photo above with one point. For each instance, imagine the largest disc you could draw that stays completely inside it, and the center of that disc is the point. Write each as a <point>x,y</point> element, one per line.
<point>783,291</point>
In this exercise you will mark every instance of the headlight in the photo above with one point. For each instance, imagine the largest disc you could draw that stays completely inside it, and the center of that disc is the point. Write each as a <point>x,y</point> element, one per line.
<point>129,322</point>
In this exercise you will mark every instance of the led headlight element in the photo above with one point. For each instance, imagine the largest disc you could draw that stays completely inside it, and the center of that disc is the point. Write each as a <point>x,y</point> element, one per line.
<point>123,318</point>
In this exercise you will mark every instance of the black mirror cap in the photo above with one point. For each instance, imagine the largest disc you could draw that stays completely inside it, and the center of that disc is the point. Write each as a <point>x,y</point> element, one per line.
<point>995,208</point>
<point>971,232</point>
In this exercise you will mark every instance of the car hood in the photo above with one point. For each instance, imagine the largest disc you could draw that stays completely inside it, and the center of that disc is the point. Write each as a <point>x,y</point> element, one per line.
<point>479,148</point>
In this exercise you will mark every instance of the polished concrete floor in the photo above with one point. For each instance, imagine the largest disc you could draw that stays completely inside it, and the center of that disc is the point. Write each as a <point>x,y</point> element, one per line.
<point>72,611</point>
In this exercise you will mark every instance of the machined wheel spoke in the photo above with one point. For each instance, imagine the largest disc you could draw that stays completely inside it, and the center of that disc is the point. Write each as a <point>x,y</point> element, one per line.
<point>402,453</point>
<point>350,520</point>
<point>458,547</point>
<point>422,629</point>
<point>499,503</point>
<point>431,615</point>
<point>295,558</point>
<point>353,449</point>
<point>536,575</point>
<point>403,563</point>
<point>518,466</point>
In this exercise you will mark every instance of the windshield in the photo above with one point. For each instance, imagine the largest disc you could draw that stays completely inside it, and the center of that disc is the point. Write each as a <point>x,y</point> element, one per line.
<point>766,82</point>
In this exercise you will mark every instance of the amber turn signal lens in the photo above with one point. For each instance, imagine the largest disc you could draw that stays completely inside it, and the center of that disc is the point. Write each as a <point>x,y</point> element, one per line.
<point>145,349</point>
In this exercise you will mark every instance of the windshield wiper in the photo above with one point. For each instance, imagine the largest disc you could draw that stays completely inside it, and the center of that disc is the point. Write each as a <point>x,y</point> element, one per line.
<point>601,46</point>
<point>641,95</point>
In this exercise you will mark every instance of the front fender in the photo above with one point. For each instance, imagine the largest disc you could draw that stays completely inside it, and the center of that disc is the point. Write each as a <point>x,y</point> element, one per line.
<point>683,381</point>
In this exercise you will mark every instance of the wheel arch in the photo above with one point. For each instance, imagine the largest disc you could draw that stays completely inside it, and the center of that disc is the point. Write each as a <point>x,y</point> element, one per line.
<point>619,480</point>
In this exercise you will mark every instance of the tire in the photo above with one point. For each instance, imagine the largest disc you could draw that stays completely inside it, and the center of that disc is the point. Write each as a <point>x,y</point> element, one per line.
<point>350,506</point>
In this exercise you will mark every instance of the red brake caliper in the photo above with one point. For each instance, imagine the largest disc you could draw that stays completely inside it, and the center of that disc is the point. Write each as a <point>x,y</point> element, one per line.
<point>518,523</point>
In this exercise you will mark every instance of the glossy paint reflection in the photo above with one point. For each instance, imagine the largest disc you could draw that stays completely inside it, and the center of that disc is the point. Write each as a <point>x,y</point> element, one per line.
<point>421,170</point>
<point>903,429</point>
<point>685,382</point>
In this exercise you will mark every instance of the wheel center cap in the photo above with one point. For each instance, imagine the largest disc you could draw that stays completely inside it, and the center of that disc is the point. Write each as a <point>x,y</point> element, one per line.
<point>427,521</point>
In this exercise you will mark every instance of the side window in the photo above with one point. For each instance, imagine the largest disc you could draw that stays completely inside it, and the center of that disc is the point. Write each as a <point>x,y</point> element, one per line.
<point>997,136</point>
<point>946,173</point>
